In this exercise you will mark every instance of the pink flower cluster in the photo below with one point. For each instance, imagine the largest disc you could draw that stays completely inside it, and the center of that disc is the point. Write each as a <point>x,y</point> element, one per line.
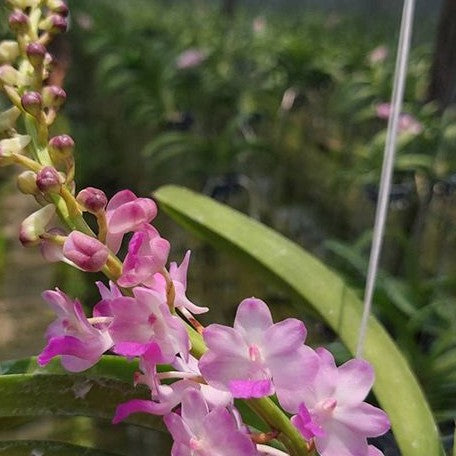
<point>136,318</point>
<point>407,123</point>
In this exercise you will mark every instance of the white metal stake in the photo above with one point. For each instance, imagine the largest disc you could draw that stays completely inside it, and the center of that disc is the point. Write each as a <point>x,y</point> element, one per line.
<point>400,74</point>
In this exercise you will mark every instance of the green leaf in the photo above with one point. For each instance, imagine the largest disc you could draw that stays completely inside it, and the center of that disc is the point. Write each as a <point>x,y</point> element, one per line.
<point>46,448</point>
<point>29,395</point>
<point>114,367</point>
<point>396,388</point>
<point>454,442</point>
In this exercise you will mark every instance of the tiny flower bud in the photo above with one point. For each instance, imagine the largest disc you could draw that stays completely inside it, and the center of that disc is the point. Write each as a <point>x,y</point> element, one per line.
<point>35,225</point>
<point>8,118</point>
<point>26,183</point>
<point>18,22</point>
<point>36,53</point>
<point>52,251</point>
<point>12,146</point>
<point>58,6</point>
<point>53,96</point>
<point>48,180</point>
<point>9,50</point>
<point>61,146</point>
<point>92,199</point>
<point>23,4</point>
<point>9,75</point>
<point>86,252</point>
<point>32,103</point>
<point>54,24</point>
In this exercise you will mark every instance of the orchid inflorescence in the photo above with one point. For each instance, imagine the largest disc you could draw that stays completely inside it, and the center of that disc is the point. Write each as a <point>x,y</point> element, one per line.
<point>144,312</point>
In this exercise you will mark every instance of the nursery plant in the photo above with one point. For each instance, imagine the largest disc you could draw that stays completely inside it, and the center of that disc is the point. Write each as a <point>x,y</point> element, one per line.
<point>141,356</point>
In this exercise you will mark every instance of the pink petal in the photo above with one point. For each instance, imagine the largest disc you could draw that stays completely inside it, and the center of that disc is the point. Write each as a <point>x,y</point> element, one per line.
<point>294,378</point>
<point>304,423</point>
<point>88,352</point>
<point>225,340</point>
<point>179,431</point>
<point>341,441</point>
<point>245,389</point>
<point>356,378</point>
<point>283,337</point>
<point>328,375</point>
<point>253,317</point>
<point>365,419</point>
<point>224,436</point>
<point>179,273</point>
<point>220,370</point>
<point>374,451</point>
<point>139,406</point>
<point>132,215</point>
<point>122,197</point>
<point>194,409</point>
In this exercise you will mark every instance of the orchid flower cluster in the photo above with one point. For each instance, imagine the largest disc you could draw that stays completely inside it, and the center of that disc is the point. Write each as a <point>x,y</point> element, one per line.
<point>194,374</point>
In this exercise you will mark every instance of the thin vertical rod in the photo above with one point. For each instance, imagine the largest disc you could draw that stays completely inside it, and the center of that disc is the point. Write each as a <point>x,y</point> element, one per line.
<point>387,167</point>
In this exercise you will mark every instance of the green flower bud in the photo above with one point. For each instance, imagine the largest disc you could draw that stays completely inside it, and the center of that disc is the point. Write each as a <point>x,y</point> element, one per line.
<point>53,96</point>
<point>32,103</point>
<point>8,118</point>
<point>23,4</point>
<point>9,51</point>
<point>18,22</point>
<point>54,24</point>
<point>58,6</point>
<point>35,225</point>
<point>61,147</point>
<point>26,183</point>
<point>92,200</point>
<point>36,53</point>
<point>48,180</point>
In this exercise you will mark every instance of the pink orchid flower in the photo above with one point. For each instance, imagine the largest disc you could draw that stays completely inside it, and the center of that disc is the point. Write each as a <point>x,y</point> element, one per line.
<point>72,336</point>
<point>102,308</point>
<point>178,275</point>
<point>257,358</point>
<point>165,397</point>
<point>147,255</point>
<point>126,212</point>
<point>332,409</point>
<point>85,252</point>
<point>144,319</point>
<point>198,431</point>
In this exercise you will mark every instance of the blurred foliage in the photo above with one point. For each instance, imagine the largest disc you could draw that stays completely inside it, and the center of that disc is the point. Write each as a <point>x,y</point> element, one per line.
<point>279,115</point>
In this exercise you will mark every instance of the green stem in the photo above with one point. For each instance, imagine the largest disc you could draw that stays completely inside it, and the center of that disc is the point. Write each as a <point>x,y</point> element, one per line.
<point>264,407</point>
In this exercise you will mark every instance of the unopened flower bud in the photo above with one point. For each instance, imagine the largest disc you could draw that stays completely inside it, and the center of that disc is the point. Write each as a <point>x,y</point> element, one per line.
<point>53,96</point>
<point>48,180</point>
<point>61,146</point>
<point>58,6</point>
<point>18,22</point>
<point>52,251</point>
<point>54,24</point>
<point>8,118</point>
<point>11,146</point>
<point>92,199</point>
<point>23,4</point>
<point>9,51</point>
<point>26,183</point>
<point>35,225</point>
<point>86,252</point>
<point>36,53</point>
<point>32,103</point>
<point>9,75</point>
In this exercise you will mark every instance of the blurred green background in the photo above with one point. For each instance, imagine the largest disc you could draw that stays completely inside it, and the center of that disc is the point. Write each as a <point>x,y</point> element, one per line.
<point>277,109</point>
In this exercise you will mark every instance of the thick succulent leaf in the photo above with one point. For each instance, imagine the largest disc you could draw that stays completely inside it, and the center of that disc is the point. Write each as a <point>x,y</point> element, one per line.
<point>45,448</point>
<point>27,395</point>
<point>315,285</point>
<point>109,366</point>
